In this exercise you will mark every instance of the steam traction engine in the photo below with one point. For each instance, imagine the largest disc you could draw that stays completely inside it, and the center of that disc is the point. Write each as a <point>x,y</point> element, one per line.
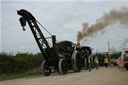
<point>85,51</point>
<point>59,57</point>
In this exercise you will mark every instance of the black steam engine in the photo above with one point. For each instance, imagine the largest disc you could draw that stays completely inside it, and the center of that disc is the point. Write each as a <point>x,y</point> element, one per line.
<point>62,56</point>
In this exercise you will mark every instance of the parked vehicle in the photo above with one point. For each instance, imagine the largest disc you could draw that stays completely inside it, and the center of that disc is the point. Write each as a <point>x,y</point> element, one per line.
<point>124,55</point>
<point>119,61</point>
<point>114,61</point>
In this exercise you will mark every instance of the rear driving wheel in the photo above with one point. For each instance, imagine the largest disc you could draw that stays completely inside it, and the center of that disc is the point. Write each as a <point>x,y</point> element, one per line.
<point>63,66</point>
<point>76,62</point>
<point>45,68</point>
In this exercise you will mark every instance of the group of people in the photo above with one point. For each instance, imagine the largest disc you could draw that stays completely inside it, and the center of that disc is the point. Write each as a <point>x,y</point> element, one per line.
<point>95,61</point>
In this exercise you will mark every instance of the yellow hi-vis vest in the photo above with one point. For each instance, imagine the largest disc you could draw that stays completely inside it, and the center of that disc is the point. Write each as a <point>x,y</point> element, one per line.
<point>89,59</point>
<point>96,60</point>
<point>106,60</point>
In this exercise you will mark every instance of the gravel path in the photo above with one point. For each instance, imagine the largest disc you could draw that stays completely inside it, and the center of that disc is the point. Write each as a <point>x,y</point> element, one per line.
<point>104,76</point>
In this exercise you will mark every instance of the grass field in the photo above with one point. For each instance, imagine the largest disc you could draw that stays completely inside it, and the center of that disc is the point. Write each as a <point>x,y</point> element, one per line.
<point>19,75</point>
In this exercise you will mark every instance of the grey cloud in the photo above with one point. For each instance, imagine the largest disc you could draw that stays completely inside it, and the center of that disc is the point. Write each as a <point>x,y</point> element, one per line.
<point>63,19</point>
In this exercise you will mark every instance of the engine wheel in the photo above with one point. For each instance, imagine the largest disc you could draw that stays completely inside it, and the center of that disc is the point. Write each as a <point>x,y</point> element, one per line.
<point>76,62</point>
<point>85,63</point>
<point>63,66</point>
<point>45,68</point>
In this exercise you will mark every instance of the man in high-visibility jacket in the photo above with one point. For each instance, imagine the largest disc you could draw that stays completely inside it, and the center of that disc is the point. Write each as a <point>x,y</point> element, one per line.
<point>106,62</point>
<point>89,62</point>
<point>96,62</point>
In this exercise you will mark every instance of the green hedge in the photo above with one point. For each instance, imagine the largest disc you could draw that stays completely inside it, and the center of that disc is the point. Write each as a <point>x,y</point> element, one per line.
<point>21,62</point>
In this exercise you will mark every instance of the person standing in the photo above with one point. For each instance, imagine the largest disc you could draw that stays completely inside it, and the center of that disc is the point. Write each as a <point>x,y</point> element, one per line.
<point>89,62</point>
<point>96,62</point>
<point>106,62</point>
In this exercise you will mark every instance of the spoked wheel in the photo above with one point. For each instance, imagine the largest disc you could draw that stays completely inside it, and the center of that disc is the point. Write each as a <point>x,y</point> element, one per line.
<point>63,66</point>
<point>76,62</point>
<point>45,68</point>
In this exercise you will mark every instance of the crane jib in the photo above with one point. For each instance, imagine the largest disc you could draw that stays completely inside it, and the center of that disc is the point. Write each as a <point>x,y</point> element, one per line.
<point>38,35</point>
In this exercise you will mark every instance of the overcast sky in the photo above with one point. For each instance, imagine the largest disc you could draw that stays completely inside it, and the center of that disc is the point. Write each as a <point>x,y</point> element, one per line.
<point>61,18</point>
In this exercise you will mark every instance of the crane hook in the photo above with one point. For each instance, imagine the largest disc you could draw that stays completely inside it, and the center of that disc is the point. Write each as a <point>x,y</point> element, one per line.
<point>23,22</point>
<point>24,29</point>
